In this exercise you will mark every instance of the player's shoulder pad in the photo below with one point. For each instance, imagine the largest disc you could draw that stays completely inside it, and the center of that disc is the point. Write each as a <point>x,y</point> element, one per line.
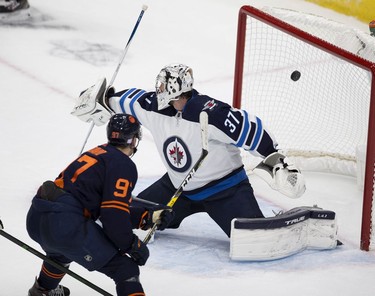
<point>200,102</point>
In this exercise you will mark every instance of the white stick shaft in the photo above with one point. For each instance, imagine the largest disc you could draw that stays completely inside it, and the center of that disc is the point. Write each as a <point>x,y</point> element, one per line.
<point>87,137</point>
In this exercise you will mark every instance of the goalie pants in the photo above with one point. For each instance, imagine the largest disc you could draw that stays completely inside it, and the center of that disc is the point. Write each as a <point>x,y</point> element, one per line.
<point>234,202</point>
<point>66,235</point>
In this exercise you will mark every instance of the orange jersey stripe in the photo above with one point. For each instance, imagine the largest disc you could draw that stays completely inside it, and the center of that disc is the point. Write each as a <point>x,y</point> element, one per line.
<point>52,275</point>
<point>120,203</point>
<point>116,207</point>
<point>97,151</point>
<point>143,218</point>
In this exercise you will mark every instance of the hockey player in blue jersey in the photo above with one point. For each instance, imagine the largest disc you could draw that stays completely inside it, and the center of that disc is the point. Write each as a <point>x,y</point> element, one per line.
<point>220,187</point>
<point>97,185</point>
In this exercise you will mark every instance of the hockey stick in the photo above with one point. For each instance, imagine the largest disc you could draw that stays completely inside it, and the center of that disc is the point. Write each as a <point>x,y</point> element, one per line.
<point>203,120</point>
<point>151,203</point>
<point>50,261</point>
<point>144,8</point>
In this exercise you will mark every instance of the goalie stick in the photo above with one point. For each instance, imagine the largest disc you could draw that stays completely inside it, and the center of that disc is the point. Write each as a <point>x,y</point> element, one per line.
<point>52,262</point>
<point>203,120</point>
<point>144,8</point>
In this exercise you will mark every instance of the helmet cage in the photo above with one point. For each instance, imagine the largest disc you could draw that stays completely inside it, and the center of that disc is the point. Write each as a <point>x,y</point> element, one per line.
<point>171,82</point>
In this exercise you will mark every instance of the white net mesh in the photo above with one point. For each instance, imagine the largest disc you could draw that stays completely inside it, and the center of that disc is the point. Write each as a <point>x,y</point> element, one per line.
<point>325,112</point>
<point>341,35</point>
<point>316,103</point>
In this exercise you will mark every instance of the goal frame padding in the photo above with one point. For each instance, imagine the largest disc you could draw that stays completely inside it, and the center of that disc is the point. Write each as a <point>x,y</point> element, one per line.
<point>247,10</point>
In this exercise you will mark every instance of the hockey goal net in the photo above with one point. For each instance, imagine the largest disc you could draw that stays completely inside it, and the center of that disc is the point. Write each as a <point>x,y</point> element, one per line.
<point>312,81</point>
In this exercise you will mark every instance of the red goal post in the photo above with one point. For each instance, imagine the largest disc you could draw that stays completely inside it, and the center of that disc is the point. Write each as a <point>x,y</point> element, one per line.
<point>312,81</point>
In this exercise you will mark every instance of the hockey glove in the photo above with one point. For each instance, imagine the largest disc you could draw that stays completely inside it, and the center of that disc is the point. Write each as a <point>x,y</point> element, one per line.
<point>91,105</point>
<point>281,175</point>
<point>160,215</point>
<point>50,191</point>
<point>139,251</point>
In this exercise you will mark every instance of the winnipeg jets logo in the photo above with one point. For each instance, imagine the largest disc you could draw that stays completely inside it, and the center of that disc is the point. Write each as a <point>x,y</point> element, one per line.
<point>177,154</point>
<point>209,105</point>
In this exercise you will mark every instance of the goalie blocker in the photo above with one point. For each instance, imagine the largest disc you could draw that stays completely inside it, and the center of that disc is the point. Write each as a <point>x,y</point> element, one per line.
<point>285,234</point>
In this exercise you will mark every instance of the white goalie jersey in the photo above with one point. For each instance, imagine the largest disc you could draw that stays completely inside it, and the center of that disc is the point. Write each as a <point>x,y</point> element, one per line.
<point>177,135</point>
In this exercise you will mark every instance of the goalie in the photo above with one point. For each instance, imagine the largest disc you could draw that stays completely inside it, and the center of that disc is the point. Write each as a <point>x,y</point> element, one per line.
<point>220,187</point>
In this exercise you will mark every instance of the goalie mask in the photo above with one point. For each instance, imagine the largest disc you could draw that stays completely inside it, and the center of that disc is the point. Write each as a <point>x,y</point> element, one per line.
<point>121,130</point>
<point>172,81</point>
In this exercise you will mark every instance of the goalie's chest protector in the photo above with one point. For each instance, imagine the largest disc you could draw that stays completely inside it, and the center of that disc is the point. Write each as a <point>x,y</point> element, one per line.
<point>178,141</point>
<point>177,136</point>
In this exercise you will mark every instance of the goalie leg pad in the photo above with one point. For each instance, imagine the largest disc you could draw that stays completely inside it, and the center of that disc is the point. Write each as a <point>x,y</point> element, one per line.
<point>263,239</point>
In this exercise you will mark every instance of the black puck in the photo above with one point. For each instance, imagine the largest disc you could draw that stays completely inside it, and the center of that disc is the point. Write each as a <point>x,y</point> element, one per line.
<point>295,75</point>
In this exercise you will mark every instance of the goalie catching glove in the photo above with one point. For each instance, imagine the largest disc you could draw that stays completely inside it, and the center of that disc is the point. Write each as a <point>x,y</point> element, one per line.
<point>281,175</point>
<point>91,104</point>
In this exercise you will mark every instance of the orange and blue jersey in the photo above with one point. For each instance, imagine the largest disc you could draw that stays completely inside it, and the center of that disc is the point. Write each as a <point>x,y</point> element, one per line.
<point>102,180</point>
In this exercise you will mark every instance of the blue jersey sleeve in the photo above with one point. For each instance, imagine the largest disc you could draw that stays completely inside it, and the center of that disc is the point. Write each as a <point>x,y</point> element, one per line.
<point>233,126</point>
